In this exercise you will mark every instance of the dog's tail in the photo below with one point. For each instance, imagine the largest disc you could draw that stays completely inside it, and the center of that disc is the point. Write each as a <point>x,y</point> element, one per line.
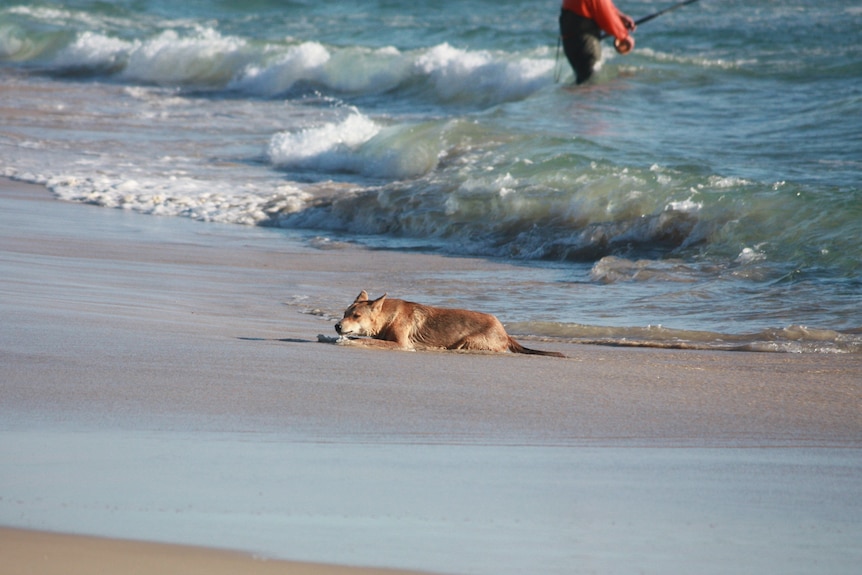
<point>516,347</point>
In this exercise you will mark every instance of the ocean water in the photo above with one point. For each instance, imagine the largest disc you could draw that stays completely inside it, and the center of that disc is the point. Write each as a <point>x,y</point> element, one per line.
<point>704,191</point>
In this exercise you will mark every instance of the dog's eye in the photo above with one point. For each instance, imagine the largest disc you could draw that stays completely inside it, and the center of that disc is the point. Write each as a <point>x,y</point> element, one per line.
<point>356,315</point>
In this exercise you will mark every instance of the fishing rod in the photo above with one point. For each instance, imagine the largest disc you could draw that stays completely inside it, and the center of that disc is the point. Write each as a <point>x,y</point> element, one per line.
<point>654,15</point>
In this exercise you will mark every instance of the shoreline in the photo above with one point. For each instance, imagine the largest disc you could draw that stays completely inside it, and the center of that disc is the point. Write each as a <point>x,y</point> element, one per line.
<point>163,288</point>
<point>160,378</point>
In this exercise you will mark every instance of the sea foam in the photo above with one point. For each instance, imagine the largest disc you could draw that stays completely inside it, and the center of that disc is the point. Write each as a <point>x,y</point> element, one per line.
<point>205,57</point>
<point>331,146</point>
<point>481,76</point>
<point>283,69</point>
<point>357,144</point>
<point>94,51</point>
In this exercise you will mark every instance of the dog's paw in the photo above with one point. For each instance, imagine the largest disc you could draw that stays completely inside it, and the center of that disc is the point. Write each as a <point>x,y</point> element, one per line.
<point>340,340</point>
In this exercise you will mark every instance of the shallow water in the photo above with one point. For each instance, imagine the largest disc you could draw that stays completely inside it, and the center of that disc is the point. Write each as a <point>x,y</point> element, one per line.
<point>703,191</point>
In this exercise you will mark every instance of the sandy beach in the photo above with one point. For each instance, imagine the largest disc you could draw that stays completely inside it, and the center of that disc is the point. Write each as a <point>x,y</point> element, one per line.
<point>161,381</point>
<point>40,553</point>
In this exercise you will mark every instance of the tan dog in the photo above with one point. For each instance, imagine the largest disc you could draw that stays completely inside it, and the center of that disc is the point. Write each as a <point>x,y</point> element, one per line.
<point>399,324</point>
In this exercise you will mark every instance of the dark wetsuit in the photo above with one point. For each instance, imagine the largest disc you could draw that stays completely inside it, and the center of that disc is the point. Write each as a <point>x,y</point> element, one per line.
<point>581,43</point>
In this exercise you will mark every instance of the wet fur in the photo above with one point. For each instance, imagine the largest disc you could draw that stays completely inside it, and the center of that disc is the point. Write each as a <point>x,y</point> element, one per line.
<point>399,324</point>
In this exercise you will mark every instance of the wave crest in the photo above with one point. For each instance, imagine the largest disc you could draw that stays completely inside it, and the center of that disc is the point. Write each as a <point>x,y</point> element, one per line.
<point>357,144</point>
<point>188,55</point>
<point>205,57</point>
<point>481,76</point>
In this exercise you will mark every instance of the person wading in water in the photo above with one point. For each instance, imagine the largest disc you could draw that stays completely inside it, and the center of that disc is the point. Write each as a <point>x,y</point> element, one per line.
<point>581,26</point>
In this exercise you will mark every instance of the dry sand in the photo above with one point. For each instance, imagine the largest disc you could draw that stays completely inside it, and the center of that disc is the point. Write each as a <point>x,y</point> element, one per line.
<point>40,553</point>
<point>130,342</point>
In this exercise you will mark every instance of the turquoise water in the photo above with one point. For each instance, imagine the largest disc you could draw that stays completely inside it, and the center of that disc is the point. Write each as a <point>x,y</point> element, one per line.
<point>704,190</point>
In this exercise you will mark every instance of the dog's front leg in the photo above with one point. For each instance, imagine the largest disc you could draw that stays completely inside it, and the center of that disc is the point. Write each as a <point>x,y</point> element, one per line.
<point>341,339</point>
<point>378,343</point>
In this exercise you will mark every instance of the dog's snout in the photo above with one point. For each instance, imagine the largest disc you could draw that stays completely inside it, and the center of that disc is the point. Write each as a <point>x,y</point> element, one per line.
<point>338,327</point>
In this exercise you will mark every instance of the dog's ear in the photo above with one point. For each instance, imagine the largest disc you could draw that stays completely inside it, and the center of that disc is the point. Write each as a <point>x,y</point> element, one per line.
<point>378,303</point>
<point>363,296</point>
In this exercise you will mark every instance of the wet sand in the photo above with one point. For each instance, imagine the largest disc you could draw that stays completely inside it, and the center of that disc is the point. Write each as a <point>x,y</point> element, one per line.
<point>160,380</point>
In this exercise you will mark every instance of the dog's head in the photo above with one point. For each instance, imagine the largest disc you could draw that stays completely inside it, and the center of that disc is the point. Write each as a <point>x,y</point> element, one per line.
<point>362,317</point>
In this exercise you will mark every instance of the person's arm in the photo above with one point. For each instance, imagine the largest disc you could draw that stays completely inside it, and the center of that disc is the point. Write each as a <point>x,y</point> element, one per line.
<point>617,24</point>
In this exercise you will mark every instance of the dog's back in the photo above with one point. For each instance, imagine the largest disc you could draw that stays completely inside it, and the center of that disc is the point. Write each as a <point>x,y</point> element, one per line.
<point>453,328</point>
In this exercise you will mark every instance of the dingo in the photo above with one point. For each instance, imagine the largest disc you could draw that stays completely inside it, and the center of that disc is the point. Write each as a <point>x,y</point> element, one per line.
<point>399,324</point>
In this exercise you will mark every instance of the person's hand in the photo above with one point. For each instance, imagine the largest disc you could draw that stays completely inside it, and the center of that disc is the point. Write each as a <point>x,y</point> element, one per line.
<point>625,45</point>
<point>628,22</point>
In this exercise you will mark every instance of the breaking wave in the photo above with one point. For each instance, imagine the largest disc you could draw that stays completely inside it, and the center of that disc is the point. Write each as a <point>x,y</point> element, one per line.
<point>202,57</point>
<point>357,145</point>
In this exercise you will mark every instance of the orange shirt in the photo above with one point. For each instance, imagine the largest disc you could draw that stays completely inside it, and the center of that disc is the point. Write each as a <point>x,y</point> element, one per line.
<point>603,12</point>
